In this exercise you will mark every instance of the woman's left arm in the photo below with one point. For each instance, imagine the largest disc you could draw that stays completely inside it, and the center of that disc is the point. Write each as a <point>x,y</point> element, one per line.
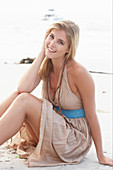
<point>86,87</point>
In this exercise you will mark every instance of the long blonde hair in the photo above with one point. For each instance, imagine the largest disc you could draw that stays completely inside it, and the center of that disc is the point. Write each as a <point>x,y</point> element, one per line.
<point>72,31</point>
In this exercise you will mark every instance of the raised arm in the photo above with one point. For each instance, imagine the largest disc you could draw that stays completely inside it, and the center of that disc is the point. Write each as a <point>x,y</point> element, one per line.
<point>31,78</point>
<point>86,87</point>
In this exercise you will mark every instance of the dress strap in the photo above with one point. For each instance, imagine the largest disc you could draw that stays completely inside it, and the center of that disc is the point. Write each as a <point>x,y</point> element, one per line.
<point>68,123</point>
<point>58,86</point>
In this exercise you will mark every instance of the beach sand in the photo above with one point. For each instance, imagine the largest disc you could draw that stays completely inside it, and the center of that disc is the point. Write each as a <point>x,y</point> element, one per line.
<point>10,75</point>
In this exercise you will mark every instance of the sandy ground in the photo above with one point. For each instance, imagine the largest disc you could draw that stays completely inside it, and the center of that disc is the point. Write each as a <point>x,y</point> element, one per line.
<point>9,77</point>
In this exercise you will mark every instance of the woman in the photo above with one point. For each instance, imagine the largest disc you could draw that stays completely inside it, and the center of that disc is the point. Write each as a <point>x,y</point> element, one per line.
<point>57,129</point>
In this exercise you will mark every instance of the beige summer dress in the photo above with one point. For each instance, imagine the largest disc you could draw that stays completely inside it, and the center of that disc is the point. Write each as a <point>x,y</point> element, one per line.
<point>58,143</point>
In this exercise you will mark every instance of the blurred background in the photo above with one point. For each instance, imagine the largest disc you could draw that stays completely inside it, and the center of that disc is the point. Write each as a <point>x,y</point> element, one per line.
<point>22,28</point>
<point>23,24</point>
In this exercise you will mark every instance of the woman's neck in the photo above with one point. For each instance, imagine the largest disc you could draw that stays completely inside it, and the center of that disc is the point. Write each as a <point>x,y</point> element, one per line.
<point>57,66</point>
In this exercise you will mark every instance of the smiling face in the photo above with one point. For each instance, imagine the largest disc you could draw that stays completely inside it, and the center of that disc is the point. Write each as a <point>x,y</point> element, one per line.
<point>56,45</point>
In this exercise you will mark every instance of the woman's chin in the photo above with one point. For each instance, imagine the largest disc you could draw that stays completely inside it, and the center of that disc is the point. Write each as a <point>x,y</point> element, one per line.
<point>49,56</point>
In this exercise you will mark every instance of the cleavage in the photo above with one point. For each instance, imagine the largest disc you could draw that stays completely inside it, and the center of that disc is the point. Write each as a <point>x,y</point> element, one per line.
<point>54,85</point>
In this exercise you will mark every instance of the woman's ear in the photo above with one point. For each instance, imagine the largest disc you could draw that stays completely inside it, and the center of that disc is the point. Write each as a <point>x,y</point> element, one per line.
<point>66,53</point>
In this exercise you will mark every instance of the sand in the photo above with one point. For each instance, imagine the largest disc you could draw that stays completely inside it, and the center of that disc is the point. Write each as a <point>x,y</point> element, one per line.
<point>10,75</point>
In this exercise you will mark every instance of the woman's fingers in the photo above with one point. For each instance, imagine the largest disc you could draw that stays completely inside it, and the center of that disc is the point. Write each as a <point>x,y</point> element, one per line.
<point>106,161</point>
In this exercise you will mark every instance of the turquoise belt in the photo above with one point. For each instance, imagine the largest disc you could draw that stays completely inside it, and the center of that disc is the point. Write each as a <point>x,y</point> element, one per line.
<point>72,114</point>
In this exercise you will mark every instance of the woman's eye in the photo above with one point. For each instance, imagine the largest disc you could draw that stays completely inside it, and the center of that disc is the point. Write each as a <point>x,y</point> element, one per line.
<point>51,36</point>
<point>60,42</point>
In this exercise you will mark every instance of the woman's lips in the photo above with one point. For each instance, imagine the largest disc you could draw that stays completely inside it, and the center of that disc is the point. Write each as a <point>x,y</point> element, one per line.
<point>51,50</point>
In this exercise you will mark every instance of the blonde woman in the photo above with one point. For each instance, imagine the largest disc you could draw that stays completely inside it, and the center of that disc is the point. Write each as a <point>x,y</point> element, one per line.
<point>57,129</point>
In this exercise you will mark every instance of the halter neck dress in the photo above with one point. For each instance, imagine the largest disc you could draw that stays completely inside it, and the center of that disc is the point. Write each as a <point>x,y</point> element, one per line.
<point>58,144</point>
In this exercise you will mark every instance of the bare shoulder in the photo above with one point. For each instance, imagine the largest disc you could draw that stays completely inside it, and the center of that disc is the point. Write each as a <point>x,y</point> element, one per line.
<point>76,69</point>
<point>78,72</point>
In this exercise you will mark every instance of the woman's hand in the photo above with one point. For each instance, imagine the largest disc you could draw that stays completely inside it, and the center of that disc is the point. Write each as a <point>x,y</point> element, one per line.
<point>105,161</point>
<point>86,88</point>
<point>43,44</point>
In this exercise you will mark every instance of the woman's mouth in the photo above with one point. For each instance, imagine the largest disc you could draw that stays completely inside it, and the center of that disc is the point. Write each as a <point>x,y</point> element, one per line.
<point>51,50</point>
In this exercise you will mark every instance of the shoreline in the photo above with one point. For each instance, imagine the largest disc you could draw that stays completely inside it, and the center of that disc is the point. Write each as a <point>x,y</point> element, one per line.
<point>28,60</point>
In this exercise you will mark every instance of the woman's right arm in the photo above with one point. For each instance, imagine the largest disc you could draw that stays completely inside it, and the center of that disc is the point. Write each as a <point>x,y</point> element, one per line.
<point>31,78</point>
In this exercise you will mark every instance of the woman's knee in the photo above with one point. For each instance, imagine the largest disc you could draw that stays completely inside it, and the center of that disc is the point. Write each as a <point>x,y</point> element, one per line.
<point>29,103</point>
<point>23,97</point>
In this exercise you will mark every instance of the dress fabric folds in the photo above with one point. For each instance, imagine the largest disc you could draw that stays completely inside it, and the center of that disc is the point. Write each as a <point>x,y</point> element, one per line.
<point>58,144</point>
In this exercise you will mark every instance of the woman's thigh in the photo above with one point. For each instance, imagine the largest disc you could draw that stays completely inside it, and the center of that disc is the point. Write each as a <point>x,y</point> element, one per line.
<point>25,107</point>
<point>32,107</point>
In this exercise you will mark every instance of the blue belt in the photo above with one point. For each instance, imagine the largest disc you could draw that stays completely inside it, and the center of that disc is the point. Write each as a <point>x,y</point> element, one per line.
<point>72,114</point>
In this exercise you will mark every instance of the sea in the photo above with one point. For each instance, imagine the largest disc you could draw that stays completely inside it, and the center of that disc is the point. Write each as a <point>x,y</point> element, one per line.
<point>21,37</point>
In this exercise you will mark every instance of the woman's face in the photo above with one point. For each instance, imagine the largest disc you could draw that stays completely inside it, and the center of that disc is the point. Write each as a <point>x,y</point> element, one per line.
<point>56,44</point>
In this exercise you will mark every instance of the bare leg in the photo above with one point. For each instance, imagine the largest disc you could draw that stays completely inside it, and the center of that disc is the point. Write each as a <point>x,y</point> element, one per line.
<point>7,102</point>
<point>5,105</point>
<point>25,107</point>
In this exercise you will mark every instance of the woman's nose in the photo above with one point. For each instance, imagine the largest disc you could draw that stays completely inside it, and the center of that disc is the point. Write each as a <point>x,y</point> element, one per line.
<point>52,43</point>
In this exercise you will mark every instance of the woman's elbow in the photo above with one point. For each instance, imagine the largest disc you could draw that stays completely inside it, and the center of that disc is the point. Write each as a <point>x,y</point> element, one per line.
<point>22,90</point>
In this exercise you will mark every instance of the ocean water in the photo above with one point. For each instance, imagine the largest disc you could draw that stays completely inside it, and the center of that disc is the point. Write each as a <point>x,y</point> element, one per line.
<point>22,37</point>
